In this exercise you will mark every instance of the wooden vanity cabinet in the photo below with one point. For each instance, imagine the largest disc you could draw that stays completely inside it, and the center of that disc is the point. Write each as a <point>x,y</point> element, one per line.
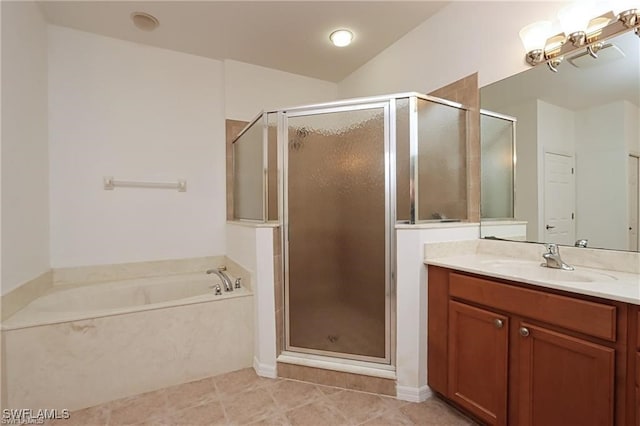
<point>478,361</point>
<point>637,366</point>
<point>508,353</point>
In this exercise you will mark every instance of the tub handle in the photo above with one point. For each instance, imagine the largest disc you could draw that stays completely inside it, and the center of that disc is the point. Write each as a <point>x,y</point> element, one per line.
<point>216,289</point>
<point>238,282</point>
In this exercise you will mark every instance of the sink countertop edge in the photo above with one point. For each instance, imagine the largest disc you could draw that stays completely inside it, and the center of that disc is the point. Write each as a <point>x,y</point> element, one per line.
<point>625,288</point>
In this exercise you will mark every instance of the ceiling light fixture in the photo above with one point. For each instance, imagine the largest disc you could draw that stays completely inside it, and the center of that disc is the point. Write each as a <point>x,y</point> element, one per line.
<point>144,21</point>
<point>581,31</point>
<point>341,38</point>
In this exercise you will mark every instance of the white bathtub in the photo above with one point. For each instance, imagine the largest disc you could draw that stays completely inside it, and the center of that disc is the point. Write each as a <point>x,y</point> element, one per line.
<point>82,345</point>
<point>70,303</point>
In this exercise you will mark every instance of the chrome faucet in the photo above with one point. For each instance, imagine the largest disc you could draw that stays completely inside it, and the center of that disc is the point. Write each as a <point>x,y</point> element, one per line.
<point>582,243</point>
<point>553,260</point>
<point>226,281</point>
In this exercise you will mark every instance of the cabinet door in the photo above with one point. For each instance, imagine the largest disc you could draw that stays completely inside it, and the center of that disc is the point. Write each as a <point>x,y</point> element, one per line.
<point>478,357</point>
<point>638,387</point>
<point>564,380</point>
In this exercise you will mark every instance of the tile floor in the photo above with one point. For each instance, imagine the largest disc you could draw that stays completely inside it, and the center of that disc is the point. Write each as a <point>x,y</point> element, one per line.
<point>243,398</point>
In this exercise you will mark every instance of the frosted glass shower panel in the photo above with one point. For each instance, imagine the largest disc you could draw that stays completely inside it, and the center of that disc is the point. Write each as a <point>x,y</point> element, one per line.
<point>497,138</point>
<point>337,235</point>
<point>441,192</point>
<point>272,166</point>
<point>403,161</point>
<point>249,174</point>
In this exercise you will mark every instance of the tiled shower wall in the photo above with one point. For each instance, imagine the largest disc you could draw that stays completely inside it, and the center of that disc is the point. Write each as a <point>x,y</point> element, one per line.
<point>465,91</point>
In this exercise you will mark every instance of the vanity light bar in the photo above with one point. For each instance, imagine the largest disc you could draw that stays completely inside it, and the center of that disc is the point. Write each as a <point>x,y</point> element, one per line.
<point>542,49</point>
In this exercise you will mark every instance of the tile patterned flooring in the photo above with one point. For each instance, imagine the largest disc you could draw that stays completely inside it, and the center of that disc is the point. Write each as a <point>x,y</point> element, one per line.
<point>243,398</point>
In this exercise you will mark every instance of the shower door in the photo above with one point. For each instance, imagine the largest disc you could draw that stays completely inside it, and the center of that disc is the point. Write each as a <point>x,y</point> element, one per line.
<point>336,232</point>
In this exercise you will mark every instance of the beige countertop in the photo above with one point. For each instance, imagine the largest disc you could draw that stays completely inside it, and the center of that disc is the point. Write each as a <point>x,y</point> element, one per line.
<point>483,259</point>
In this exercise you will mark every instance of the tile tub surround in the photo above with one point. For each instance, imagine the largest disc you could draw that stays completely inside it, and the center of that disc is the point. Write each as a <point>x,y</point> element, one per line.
<point>476,257</point>
<point>241,397</point>
<point>122,271</point>
<point>21,296</point>
<point>82,363</point>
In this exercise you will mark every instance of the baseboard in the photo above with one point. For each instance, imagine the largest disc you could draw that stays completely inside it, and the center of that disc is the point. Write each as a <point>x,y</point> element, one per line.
<point>264,370</point>
<point>411,394</point>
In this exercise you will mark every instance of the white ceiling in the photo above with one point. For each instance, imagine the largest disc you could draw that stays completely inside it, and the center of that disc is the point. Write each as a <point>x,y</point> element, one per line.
<point>290,36</point>
<point>573,88</point>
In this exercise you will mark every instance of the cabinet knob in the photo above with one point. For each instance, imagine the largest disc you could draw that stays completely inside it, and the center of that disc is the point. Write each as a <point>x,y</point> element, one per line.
<point>498,323</point>
<point>524,331</point>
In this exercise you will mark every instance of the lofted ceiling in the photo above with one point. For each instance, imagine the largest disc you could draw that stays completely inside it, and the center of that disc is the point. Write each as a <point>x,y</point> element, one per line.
<point>291,36</point>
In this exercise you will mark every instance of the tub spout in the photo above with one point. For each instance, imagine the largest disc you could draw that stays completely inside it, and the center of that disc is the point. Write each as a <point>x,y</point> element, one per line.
<point>226,281</point>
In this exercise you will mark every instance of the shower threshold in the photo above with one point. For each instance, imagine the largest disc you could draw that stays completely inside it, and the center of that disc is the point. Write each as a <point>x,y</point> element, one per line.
<point>365,368</point>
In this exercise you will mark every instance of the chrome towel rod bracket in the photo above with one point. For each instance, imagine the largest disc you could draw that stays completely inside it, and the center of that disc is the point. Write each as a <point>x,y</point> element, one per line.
<point>110,184</point>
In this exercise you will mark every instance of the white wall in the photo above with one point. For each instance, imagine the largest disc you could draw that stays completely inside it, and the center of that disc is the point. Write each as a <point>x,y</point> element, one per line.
<point>133,112</point>
<point>463,38</point>
<point>25,168</point>
<point>411,296</point>
<point>632,127</point>
<point>601,176</point>
<point>252,247</point>
<point>250,89</point>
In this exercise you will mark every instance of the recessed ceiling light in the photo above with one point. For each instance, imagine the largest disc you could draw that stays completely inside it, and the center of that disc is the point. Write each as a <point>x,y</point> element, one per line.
<point>144,21</point>
<point>341,38</point>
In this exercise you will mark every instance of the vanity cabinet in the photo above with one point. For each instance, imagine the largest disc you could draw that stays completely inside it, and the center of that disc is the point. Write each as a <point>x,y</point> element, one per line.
<point>478,361</point>
<point>637,367</point>
<point>509,353</point>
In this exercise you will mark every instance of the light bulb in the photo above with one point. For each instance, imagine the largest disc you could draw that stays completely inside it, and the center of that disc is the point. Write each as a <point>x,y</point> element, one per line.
<point>575,16</point>
<point>535,35</point>
<point>341,38</point>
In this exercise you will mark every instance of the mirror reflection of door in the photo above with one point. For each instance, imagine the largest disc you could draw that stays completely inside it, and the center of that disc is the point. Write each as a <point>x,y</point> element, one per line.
<point>559,199</point>
<point>634,199</point>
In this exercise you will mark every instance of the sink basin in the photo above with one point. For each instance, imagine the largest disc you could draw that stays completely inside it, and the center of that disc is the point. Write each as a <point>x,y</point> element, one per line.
<point>527,268</point>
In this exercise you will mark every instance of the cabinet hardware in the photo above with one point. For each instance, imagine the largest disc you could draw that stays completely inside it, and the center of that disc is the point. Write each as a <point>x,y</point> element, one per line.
<point>498,323</point>
<point>524,331</point>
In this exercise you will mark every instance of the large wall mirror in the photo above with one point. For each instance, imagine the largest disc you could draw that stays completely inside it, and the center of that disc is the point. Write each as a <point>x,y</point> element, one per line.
<point>560,151</point>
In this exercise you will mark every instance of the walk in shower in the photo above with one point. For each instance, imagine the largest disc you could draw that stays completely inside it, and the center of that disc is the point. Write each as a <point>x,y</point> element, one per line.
<point>338,178</point>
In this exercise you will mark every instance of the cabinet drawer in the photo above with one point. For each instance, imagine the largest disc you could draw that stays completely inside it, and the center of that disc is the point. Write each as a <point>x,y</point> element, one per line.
<point>594,319</point>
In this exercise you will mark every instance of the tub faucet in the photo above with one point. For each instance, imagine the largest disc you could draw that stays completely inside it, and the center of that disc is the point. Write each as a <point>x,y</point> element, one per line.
<point>553,260</point>
<point>226,281</point>
<point>582,243</point>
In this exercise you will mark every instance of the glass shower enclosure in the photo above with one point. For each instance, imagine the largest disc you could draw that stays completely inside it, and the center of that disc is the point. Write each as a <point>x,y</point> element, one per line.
<point>338,178</point>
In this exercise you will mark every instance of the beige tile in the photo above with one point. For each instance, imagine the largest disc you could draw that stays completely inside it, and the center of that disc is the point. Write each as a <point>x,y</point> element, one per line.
<point>277,420</point>
<point>289,394</point>
<point>240,381</point>
<point>289,371</point>
<point>325,377</point>
<point>371,384</point>
<point>250,406</point>
<point>319,413</point>
<point>390,417</point>
<point>210,413</point>
<point>164,421</point>
<point>358,406</point>
<point>329,390</point>
<point>190,394</point>
<point>139,408</point>
<point>392,402</point>
<point>93,416</point>
<point>434,412</point>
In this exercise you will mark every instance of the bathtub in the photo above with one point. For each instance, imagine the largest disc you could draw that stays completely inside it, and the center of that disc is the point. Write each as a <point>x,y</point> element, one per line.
<point>80,301</point>
<point>85,344</point>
